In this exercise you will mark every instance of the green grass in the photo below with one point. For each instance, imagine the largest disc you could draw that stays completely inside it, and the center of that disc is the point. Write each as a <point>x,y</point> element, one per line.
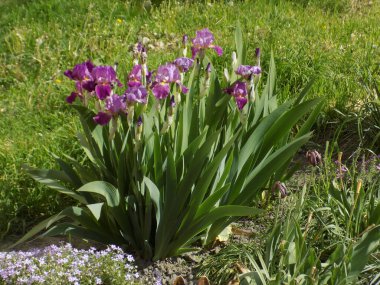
<point>331,40</point>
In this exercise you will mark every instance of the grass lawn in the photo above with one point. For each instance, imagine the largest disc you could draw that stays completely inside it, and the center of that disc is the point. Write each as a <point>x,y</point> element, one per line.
<point>335,42</point>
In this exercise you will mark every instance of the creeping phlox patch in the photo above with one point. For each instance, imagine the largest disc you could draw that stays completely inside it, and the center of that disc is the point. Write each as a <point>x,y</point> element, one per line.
<point>67,265</point>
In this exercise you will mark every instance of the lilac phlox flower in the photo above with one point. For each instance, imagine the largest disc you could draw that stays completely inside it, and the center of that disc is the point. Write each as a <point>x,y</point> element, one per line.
<point>246,71</point>
<point>183,64</point>
<point>136,95</point>
<point>113,106</point>
<point>105,79</point>
<point>98,281</point>
<point>239,91</point>
<point>204,39</point>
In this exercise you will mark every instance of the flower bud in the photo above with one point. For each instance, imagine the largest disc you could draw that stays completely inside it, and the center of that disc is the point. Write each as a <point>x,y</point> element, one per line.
<point>113,128</point>
<point>184,45</point>
<point>257,53</point>
<point>226,75</point>
<point>234,60</point>
<point>139,128</point>
<point>281,187</point>
<point>313,157</point>
<point>185,39</point>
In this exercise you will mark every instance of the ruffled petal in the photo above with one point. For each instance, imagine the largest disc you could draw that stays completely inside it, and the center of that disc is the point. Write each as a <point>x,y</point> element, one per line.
<point>71,98</point>
<point>102,118</point>
<point>160,91</point>
<point>103,91</point>
<point>218,50</point>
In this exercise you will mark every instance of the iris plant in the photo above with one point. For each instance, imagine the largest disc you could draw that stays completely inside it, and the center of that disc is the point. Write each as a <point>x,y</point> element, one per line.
<point>169,176</point>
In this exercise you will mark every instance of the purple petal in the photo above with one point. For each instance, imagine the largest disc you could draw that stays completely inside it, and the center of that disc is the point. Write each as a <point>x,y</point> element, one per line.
<point>136,95</point>
<point>256,69</point>
<point>104,74</point>
<point>246,70</point>
<point>184,89</point>
<point>103,91</point>
<point>183,63</point>
<point>204,38</point>
<point>194,52</point>
<point>71,98</point>
<point>69,74</point>
<point>89,85</point>
<point>218,50</point>
<point>102,118</point>
<point>240,89</point>
<point>241,101</point>
<point>160,91</point>
<point>168,73</point>
<point>134,77</point>
<point>115,104</point>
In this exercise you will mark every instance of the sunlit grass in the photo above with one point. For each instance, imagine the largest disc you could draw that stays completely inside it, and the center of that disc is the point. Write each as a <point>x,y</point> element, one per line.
<point>331,40</point>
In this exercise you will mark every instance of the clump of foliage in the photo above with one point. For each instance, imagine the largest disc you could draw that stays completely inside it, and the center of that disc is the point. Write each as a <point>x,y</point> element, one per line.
<point>172,160</point>
<point>332,233</point>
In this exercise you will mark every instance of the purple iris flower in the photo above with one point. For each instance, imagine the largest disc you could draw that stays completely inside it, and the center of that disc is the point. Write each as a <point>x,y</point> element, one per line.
<point>168,73</point>
<point>136,95</point>
<point>134,77</point>
<point>160,90</point>
<point>204,39</point>
<point>247,71</point>
<point>165,75</point>
<point>81,73</point>
<point>105,78</point>
<point>183,63</point>
<point>114,104</point>
<point>239,91</point>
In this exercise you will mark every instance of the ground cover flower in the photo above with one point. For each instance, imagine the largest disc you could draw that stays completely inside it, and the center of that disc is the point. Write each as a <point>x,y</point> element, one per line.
<point>67,265</point>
